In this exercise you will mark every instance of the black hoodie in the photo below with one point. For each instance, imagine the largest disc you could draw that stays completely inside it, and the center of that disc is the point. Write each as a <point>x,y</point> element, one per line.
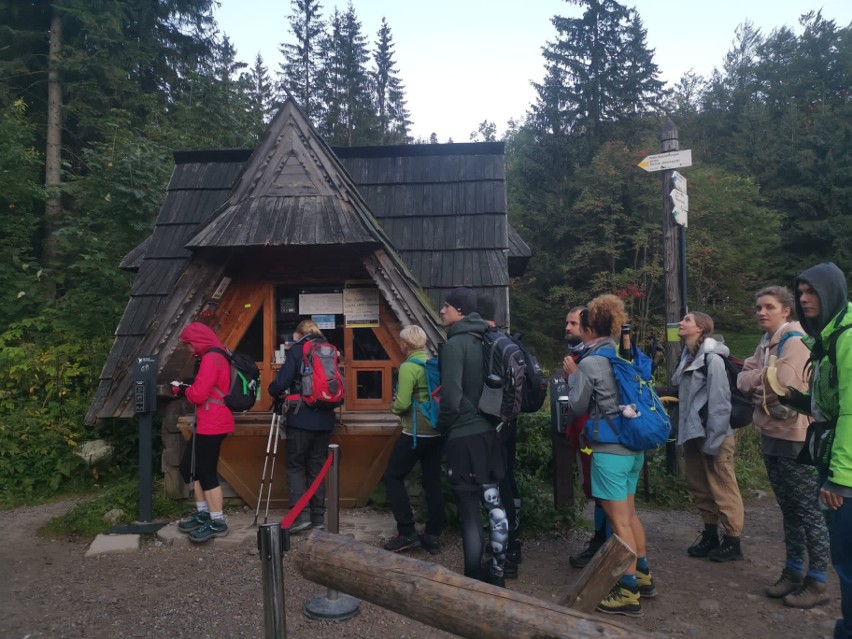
<point>830,285</point>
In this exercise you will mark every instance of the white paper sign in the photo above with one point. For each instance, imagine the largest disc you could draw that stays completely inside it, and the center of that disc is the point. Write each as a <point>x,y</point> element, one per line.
<point>361,306</point>
<point>320,303</point>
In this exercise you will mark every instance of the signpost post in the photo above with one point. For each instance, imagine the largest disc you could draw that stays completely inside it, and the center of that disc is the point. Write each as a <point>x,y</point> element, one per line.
<point>675,208</point>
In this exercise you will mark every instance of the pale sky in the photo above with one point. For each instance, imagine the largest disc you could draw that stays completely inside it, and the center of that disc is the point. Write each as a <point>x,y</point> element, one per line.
<point>465,61</point>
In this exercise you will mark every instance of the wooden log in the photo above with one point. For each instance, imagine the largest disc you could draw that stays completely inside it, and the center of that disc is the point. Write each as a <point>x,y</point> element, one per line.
<point>599,575</point>
<point>441,598</point>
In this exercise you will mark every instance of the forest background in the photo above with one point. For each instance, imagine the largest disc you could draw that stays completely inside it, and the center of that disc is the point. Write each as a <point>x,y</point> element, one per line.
<point>95,97</point>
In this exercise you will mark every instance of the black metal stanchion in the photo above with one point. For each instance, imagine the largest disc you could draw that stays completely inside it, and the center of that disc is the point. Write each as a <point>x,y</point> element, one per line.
<point>334,605</point>
<point>271,542</point>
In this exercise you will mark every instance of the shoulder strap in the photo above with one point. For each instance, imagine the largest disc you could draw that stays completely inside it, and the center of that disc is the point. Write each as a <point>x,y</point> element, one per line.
<point>227,356</point>
<point>832,353</point>
<point>785,337</point>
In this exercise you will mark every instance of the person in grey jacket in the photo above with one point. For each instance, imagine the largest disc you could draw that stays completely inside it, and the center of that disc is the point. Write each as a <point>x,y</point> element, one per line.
<point>704,431</point>
<point>615,468</point>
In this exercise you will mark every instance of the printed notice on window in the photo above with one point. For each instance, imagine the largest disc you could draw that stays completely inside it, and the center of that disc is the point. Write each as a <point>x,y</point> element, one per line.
<point>361,306</point>
<point>320,303</point>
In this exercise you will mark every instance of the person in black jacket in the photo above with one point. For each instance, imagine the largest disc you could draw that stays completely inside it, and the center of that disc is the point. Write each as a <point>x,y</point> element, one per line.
<point>308,431</point>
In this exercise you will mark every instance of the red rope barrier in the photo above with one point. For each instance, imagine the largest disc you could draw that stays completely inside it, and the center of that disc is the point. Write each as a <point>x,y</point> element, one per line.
<point>296,510</point>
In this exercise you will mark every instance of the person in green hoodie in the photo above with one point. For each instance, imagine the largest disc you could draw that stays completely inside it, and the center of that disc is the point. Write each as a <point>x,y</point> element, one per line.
<point>473,450</point>
<point>417,442</point>
<point>823,308</point>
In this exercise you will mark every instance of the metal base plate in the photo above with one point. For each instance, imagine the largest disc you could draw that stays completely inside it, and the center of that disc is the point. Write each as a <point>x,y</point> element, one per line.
<point>341,608</point>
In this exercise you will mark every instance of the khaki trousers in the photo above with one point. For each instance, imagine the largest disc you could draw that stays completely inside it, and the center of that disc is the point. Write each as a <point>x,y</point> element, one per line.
<point>714,491</point>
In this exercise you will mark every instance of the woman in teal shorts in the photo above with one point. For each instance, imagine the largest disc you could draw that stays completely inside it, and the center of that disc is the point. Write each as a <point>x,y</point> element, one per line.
<point>615,469</point>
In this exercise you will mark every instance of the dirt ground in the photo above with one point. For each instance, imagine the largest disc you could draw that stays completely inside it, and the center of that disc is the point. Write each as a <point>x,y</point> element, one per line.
<point>50,589</point>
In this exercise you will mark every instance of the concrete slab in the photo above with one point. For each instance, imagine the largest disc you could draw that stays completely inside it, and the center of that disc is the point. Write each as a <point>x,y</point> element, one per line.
<point>113,543</point>
<point>361,524</point>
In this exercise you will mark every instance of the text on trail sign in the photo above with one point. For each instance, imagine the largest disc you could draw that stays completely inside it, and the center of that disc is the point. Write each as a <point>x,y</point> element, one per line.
<point>666,161</point>
<point>680,200</point>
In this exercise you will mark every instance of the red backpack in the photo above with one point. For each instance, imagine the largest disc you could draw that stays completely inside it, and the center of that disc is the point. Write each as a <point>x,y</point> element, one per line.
<point>321,384</point>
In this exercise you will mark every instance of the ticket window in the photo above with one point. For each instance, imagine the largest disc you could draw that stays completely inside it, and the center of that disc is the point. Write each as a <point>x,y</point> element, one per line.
<point>369,370</point>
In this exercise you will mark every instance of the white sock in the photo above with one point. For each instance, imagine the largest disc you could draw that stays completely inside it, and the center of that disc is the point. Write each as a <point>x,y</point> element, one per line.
<point>202,506</point>
<point>218,516</point>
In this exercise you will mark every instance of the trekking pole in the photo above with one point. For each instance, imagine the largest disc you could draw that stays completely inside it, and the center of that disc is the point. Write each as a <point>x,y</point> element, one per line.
<point>273,431</point>
<point>272,470</point>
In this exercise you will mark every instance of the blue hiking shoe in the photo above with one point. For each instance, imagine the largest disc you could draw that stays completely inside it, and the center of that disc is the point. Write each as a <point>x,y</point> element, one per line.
<point>194,522</point>
<point>213,528</point>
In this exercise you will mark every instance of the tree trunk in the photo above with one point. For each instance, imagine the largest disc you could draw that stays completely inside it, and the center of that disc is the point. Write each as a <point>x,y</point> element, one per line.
<point>443,599</point>
<point>53,151</point>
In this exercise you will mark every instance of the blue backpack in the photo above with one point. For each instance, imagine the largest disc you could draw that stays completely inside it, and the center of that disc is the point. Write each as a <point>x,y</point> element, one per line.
<point>432,406</point>
<point>651,425</point>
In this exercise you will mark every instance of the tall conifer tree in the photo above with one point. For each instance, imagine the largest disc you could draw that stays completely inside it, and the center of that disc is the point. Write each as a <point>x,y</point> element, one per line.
<point>302,59</point>
<point>394,119</point>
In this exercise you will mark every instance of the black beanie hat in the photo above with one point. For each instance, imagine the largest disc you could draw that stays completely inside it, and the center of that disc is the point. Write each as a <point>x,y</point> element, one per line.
<point>462,299</point>
<point>485,306</point>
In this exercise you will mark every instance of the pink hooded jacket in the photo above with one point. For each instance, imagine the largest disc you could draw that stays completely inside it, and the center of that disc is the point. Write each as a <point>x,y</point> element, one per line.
<point>212,382</point>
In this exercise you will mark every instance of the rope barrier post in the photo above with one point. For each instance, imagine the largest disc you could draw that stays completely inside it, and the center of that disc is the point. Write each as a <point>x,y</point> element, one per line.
<point>333,605</point>
<point>271,544</point>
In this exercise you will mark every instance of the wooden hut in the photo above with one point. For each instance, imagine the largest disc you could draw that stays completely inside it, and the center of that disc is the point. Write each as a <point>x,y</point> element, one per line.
<point>363,240</point>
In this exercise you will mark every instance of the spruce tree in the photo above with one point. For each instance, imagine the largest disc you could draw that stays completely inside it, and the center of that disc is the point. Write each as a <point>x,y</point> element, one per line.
<point>394,119</point>
<point>302,59</point>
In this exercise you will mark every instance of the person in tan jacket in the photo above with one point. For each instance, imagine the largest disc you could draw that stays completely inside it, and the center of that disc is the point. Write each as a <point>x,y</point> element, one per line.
<point>782,430</point>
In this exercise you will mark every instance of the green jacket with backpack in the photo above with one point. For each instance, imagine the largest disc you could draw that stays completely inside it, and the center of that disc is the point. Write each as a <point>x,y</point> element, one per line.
<point>412,385</point>
<point>830,388</point>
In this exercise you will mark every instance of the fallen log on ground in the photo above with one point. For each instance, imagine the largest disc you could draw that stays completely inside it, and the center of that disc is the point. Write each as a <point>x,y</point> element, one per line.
<point>441,598</point>
<point>599,575</point>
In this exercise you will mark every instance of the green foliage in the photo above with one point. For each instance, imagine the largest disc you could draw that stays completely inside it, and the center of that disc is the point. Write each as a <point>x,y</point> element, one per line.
<point>86,519</point>
<point>43,396</point>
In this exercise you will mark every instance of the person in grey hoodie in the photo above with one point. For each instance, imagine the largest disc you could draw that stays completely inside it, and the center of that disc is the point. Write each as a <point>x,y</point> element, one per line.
<point>704,431</point>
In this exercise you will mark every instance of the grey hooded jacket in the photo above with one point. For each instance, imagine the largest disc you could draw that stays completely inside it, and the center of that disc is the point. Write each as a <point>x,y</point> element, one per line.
<point>699,388</point>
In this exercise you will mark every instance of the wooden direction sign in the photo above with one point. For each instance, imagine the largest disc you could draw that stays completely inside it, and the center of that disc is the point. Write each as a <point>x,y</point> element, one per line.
<point>681,206</point>
<point>678,182</point>
<point>666,161</point>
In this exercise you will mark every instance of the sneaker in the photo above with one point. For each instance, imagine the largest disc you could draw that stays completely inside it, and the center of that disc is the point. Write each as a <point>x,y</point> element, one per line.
<point>300,525</point>
<point>810,594</point>
<point>432,543</point>
<point>622,601</point>
<point>703,544</point>
<point>728,550</point>
<point>788,582</point>
<point>403,542</point>
<point>213,528</point>
<point>493,575</point>
<point>194,522</point>
<point>647,587</point>
<point>582,558</point>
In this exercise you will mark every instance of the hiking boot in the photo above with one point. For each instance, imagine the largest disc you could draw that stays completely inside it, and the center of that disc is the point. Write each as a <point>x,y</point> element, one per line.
<point>194,522</point>
<point>728,550</point>
<point>788,582</point>
<point>432,543</point>
<point>493,575</point>
<point>810,594</point>
<point>213,528</point>
<point>510,569</point>
<point>582,558</point>
<point>300,525</point>
<point>647,587</point>
<point>513,554</point>
<point>704,543</point>
<point>622,600</point>
<point>403,542</point>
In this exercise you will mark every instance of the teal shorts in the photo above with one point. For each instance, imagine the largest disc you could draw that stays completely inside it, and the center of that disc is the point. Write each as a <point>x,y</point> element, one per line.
<point>615,477</point>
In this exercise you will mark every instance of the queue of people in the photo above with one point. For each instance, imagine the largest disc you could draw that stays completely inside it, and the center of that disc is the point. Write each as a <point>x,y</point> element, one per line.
<point>799,380</point>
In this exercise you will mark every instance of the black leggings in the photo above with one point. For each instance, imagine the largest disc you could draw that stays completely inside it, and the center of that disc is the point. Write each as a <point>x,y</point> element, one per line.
<point>207,449</point>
